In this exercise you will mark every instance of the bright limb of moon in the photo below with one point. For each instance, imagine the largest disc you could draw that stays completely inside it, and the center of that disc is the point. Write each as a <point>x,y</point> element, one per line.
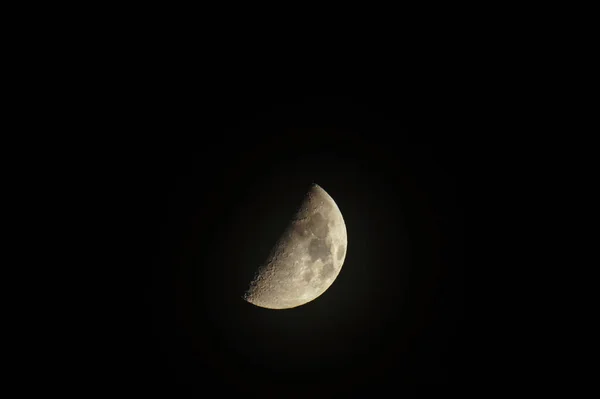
<point>307,258</point>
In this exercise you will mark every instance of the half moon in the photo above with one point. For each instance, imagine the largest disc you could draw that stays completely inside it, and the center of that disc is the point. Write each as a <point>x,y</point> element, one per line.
<point>307,258</point>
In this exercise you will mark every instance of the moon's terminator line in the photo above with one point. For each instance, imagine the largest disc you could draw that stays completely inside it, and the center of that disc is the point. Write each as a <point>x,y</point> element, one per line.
<point>306,259</point>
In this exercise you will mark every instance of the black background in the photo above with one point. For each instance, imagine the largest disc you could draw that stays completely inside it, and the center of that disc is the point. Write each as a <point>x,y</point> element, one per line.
<point>209,183</point>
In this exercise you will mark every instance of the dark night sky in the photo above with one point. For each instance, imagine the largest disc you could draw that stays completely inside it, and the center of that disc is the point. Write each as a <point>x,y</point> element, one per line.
<point>210,184</point>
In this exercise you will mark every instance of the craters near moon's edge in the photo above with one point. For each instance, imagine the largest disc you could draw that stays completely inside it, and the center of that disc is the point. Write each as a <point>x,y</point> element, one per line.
<point>341,252</point>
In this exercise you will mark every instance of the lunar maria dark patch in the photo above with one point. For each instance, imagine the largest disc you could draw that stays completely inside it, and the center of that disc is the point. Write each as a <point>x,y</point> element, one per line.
<point>327,270</point>
<point>318,249</point>
<point>301,229</point>
<point>318,225</point>
<point>308,275</point>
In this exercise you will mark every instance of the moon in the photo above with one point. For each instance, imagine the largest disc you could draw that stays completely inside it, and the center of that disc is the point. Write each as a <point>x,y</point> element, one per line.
<point>307,258</point>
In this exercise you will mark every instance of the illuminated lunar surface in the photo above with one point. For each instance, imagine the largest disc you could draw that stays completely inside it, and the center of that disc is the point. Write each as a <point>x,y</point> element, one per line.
<point>307,258</point>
